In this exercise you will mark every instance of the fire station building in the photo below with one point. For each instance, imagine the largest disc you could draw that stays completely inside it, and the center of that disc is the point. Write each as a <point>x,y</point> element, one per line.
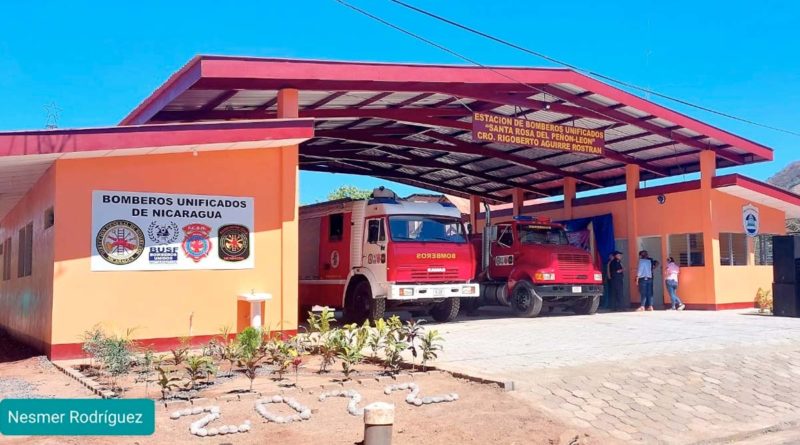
<point>183,218</point>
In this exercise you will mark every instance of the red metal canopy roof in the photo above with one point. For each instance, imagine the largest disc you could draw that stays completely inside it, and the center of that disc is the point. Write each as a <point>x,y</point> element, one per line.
<point>411,123</point>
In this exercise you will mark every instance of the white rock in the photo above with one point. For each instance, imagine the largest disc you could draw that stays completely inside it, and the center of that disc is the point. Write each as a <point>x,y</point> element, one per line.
<point>214,410</point>
<point>174,416</point>
<point>454,396</point>
<point>278,419</point>
<point>233,429</point>
<point>417,402</point>
<point>213,431</point>
<point>277,399</point>
<point>387,390</point>
<point>223,429</point>
<point>305,415</point>
<point>186,412</point>
<point>203,432</point>
<point>436,400</point>
<point>413,385</point>
<point>403,386</point>
<point>197,410</point>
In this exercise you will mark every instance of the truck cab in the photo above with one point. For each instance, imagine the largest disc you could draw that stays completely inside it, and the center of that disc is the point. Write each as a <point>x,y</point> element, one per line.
<point>385,253</point>
<point>530,264</point>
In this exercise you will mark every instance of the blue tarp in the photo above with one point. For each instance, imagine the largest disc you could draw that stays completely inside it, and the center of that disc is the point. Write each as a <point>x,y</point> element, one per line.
<point>603,228</point>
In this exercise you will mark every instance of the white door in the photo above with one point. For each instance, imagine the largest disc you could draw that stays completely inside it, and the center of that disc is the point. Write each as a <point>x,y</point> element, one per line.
<point>374,255</point>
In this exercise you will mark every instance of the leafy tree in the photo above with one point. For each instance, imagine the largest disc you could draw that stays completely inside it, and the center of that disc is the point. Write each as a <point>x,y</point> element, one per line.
<point>349,191</point>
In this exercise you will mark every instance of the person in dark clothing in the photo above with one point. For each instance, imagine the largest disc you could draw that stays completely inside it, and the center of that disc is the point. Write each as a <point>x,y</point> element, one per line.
<point>616,279</point>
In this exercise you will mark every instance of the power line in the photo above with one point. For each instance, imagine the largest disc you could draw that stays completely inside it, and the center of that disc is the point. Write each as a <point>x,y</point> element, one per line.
<point>472,61</point>
<point>589,72</point>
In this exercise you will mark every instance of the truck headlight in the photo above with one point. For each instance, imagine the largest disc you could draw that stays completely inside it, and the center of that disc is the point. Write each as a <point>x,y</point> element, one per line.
<point>544,276</point>
<point>598,277</point>
<point>468,290</point>
<point>406,292</point>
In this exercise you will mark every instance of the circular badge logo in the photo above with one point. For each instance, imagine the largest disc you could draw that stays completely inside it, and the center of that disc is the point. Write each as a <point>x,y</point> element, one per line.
<point>120,242</point>
<point>196,244</point>
<point>163,232</point>
<point>334,259</point>
<point>234,243</point>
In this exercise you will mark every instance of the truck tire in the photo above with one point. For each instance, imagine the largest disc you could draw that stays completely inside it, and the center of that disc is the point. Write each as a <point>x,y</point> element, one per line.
<point>524,300</point>
<point>587,306</point>
<point>447,310</point>
<point>360,304</point>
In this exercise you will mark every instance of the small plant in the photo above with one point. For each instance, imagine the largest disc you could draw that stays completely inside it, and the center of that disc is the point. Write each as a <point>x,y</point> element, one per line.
<point>297,363</point>
<point>197,367</point>
<point>430,344</point>
<point>377,337</point>
<point>327,352</point>
<point>350,341</point>
<point>117,357</point>
<point>320,323</point>
<point>411,331</point>
<point>250,352</point>
<point>764,300</point>
<point>225,348</point>
<point>180,352</point>
<point>166,381</point>
<point>146,363</point>
<point>281,354</point>
<point>93,341</point>
<point>394,344</point>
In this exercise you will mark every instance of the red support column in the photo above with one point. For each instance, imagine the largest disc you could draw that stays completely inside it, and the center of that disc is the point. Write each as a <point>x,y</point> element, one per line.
<point>474,208</point>
<point>570,187</point>
<point>518,196</point>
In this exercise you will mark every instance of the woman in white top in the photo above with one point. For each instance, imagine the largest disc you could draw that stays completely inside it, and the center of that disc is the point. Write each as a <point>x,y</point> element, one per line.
<point>672,271</point>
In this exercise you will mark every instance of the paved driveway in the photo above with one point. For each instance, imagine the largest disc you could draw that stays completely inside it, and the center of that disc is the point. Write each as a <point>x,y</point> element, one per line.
<point>657,377</point>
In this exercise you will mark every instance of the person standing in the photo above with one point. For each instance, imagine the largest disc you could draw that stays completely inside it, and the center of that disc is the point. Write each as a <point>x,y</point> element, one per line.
<point>672,272</point>
<point>616,281</point>
<point>644,279</point>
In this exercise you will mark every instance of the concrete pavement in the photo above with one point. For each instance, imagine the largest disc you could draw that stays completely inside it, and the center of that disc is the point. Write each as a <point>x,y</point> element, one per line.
<point>657,377</point>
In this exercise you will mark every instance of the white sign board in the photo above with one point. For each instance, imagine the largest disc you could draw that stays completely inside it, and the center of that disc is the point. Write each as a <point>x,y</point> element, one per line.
<point>750,220</point>
<point>157,231</point>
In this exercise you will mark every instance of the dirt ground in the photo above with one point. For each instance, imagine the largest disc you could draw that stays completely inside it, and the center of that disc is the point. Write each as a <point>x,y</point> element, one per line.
<point>483,414</point>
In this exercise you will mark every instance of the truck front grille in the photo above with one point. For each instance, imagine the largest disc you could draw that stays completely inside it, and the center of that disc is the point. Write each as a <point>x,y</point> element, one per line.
<point>423,274</point>
<point>573,261</point>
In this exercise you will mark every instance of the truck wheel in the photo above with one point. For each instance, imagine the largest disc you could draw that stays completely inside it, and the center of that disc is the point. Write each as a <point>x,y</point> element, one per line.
<point>524,300</point>
<point>447,310</point>
<point>361,305</point>
<point>587,306</point>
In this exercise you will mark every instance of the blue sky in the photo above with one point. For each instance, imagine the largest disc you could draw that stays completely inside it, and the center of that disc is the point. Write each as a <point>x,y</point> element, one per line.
<point>98,61</point>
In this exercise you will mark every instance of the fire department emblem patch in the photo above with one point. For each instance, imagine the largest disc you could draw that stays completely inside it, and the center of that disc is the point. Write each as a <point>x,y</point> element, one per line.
<point>196,244</point>
<point>234,243</point>
<point>166,233</point>
<point>120,242</point>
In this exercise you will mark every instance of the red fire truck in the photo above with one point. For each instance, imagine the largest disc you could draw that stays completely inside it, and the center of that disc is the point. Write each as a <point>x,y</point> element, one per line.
<point>528,263</point>
<point>369,256</point>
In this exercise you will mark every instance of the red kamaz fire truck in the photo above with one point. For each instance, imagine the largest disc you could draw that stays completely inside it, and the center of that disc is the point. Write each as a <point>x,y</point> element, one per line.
<point>368,256</point>
<point>528,263</point>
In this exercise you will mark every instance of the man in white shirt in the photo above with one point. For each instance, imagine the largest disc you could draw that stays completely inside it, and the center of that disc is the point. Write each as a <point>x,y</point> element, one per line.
<point>644,278</point>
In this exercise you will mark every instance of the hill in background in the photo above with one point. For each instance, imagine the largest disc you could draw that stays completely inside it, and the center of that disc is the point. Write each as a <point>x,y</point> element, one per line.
<point>789,179</point>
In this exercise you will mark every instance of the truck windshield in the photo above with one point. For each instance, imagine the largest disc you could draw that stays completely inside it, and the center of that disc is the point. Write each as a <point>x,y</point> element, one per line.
<point>539,234</point>
<point>440,229</point>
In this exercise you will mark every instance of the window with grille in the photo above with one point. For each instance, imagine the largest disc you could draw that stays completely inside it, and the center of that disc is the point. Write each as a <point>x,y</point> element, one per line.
<point>25,253</point>
<point>763,250</point>
<point>733,249</point>
<point>687,249</point>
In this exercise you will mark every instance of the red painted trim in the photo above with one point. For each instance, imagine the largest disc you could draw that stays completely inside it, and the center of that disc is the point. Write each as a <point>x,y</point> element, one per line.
<point>220,72</point>
<point>68,351</point>
<point>721,307</point>
<point>177,83</point>
<point>116,138</point>
<point>756,186</point>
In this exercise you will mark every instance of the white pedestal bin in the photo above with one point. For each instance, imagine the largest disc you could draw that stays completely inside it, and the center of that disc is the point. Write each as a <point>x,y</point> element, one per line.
<point>255,299</point>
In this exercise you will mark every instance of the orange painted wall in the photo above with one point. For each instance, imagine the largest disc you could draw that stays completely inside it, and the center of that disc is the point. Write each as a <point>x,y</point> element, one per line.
<point>733,284</point>
<point>26,303</point>
<point>160,304</point>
